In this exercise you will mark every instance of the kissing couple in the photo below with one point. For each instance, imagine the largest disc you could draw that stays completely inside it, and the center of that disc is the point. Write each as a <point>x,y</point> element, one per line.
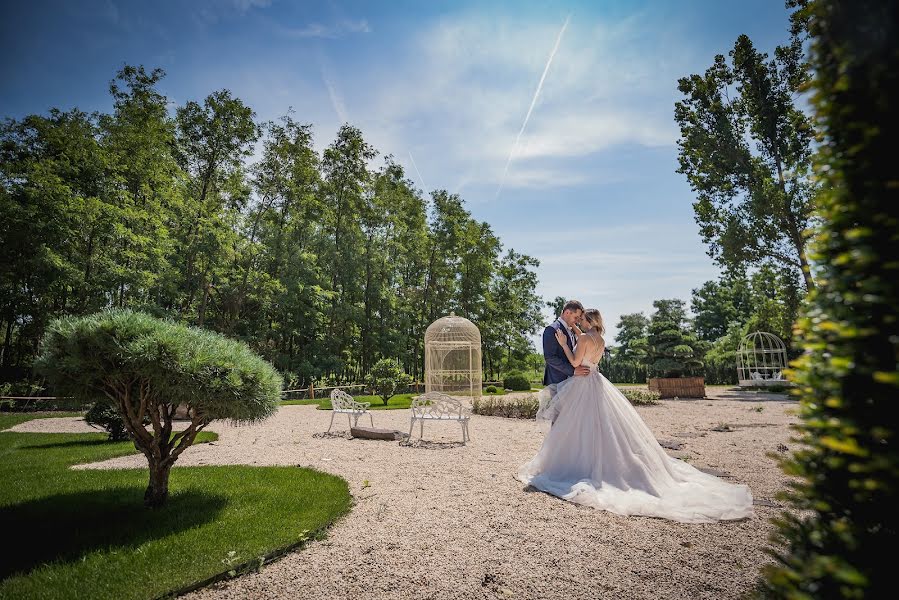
<point>598,451</point>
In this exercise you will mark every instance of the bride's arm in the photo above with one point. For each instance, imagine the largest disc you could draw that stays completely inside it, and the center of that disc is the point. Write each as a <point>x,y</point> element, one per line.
<point>581,348</point>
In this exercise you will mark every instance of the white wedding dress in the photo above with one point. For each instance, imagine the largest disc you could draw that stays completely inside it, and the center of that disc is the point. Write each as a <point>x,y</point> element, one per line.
<point>600,453</point>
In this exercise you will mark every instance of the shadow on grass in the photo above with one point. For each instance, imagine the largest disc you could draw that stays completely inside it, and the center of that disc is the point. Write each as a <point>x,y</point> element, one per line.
<point>67,526</point>
<point>99,442</point>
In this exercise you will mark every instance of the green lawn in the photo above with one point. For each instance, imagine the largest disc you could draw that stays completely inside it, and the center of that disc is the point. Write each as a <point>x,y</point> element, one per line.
<point>396,402</point>
<point>86,534</point>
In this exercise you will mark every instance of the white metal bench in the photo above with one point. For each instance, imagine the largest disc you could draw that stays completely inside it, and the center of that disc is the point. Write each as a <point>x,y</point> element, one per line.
<point>435,406</point>
<point>343,403</point>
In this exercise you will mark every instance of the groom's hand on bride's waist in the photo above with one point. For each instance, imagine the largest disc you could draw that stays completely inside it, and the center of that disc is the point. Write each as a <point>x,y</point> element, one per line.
<point>581,371</point>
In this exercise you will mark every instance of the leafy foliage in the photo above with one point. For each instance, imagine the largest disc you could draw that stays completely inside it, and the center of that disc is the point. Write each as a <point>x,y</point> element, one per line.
<point>745,148</point>
<point>848,467</point>
<point>145,368</point>
<point>105,416</point>
<point>512,408</point>
<point>639,397</point>
<point>673,350</point>
<point>517,382</point>
<point>627,360</point>
<point>387,378</point>
<point>320,261</point>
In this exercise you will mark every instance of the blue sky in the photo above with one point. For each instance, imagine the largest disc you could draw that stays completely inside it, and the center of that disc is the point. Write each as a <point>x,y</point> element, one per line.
<point>590,188</point>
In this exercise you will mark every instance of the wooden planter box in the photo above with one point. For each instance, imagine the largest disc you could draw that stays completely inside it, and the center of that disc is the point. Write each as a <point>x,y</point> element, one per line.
<point>682,387</point>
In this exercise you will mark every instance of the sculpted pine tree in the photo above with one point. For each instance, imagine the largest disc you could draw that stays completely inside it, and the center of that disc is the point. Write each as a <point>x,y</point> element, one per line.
<point>146,368</point>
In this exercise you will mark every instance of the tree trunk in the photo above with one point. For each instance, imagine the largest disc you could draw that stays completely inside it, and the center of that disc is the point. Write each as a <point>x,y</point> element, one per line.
<point>158,489</point>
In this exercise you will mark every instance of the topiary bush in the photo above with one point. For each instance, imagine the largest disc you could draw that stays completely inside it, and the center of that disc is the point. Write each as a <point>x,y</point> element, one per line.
<point>491,389</point>
<point>834,545</point>
<point>517,382</point>
<point>105,416</point>
<point>145,368</point>
<point>387,378</point>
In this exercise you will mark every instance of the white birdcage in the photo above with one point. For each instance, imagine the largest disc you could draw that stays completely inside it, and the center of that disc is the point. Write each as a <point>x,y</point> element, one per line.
<point>761,360</point>
<point>453,357</point>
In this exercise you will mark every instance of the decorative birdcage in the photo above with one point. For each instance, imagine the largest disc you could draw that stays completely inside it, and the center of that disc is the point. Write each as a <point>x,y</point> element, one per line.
<point>761,360</point>
<point>453,357</point>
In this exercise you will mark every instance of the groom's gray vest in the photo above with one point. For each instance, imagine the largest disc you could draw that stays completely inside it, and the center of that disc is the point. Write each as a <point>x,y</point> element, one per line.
<point>558,369</point>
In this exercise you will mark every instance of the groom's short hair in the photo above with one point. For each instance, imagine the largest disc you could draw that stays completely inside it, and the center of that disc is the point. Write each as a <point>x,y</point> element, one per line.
<point>573,305</point>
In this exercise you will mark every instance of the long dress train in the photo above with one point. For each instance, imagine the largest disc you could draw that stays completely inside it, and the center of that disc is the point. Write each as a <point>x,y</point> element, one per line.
<point>600,453</point>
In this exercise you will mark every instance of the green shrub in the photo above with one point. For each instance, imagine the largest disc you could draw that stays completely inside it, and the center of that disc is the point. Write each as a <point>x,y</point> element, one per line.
<point>517,382</point>
<point>387,378</point>
<point>491,389</point>
<point>834,542</point>
<point>104,416</point>
<point>145,368</point>
<point>515,408</point>
<point>638,396</point>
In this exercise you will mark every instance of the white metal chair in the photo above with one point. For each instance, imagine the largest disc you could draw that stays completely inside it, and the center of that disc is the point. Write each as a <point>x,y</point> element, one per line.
<point>435,406</point>
<point>343,403</point>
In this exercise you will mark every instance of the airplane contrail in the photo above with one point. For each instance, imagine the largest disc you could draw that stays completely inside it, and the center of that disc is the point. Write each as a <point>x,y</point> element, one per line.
<point>420,178</point>
<point>533,102</point>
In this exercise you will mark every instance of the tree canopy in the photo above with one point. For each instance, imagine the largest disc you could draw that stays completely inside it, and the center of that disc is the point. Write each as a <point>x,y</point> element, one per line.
<point>323,262</point>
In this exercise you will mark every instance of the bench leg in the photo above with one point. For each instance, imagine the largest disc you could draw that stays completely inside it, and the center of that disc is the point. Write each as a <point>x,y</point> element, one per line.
<point>421,430</point>
<point>371,419</point>
<point>411,427</point>
<point>349,420</point>
<point>332,421</point>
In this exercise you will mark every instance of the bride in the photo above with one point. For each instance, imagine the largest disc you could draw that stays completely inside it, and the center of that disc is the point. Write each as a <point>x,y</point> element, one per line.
<point>600,453</point>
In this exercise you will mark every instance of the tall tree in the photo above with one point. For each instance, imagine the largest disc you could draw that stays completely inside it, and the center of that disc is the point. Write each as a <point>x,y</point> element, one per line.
<point>345,179</point>
<point>717,304</point>
<point>745,148</point>
<point>672,349</point>
<point>147,182</point>
<point>848,465</point>
<point>213,141</point>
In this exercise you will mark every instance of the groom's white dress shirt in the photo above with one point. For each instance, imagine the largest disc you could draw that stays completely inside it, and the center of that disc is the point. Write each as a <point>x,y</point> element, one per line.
<point>569,332</point>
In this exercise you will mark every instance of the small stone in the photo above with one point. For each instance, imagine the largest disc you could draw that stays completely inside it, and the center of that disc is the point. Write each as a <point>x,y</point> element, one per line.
<point>373,433</point>
<point>764,502</point>
<point>671,445</point>
<point>715,472</point>
<point>686,544</point>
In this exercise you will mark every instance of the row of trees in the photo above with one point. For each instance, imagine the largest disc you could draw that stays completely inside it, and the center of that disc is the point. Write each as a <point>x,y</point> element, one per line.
<point>746,149</point>
<point>322,263</point>
<point>672,342</point>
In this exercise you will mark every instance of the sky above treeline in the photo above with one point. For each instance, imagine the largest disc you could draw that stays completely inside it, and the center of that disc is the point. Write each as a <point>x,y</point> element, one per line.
<point>553,120</point>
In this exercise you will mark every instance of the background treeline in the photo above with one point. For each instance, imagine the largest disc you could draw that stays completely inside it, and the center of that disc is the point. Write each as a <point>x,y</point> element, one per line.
<point>322,262</point>
<point>671,342</point>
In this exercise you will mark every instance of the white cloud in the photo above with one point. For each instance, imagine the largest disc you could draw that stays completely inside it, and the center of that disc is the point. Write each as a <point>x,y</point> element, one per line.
<point>245,5</point>
<point>460,89</point>
<point>336,98</point>
<point>320,30</point>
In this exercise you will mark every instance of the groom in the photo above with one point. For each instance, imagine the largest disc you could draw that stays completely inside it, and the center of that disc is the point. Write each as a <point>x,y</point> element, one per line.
<point>558,368</point>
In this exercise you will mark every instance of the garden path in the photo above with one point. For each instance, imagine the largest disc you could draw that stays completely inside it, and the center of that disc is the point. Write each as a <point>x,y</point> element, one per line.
<point>442,520</point>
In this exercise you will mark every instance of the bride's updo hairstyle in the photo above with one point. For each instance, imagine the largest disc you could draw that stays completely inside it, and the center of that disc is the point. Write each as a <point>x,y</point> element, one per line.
<point>592,316</point>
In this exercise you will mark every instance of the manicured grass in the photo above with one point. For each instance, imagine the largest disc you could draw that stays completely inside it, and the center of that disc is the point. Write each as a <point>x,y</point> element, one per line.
<point>86,534</point>
<point>8,420</point>
<point>397,402</point>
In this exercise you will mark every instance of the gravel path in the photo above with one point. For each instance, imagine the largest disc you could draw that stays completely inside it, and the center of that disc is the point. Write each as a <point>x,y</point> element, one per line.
<point>55,425</point>
<point>442,520</point>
